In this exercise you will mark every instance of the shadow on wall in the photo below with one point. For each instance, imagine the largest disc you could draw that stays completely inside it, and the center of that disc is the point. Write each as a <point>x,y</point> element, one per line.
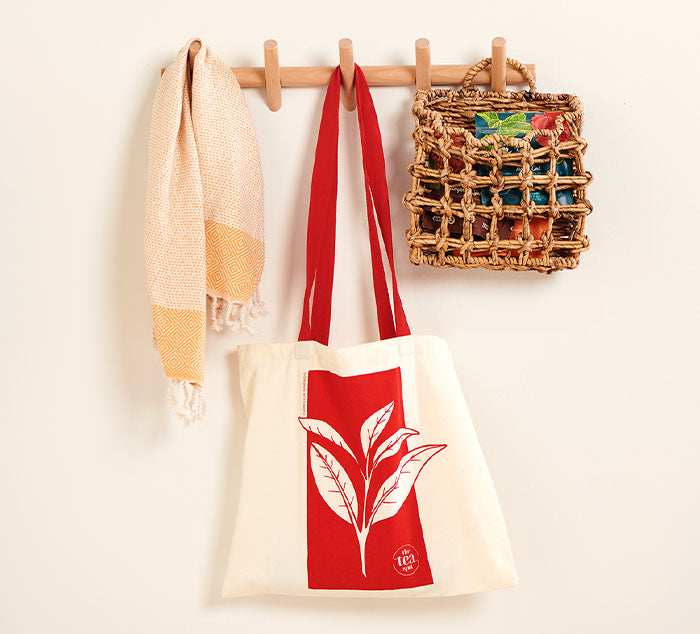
<point>137,365</point>
<point>334,609</point>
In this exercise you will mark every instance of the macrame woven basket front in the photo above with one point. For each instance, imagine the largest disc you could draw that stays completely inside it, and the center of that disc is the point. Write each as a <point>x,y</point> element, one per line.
<point>500,201</point>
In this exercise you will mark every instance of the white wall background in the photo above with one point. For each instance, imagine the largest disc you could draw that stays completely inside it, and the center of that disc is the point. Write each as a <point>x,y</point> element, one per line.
<point>583,385</point>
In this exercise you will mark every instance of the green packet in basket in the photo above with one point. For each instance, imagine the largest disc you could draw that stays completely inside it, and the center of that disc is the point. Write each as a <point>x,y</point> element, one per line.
<point>518,124</point>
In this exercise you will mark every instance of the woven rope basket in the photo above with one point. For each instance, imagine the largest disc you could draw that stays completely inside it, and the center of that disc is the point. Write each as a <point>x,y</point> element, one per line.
<point>497,202</point>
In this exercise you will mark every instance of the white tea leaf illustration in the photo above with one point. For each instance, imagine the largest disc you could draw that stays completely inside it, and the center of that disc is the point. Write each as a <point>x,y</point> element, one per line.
<point>333,484</point>
<point>323,429</point>
<point>374,426</point>
<point>391,445</point>
<point>393,493</point>
<point>337,489</point>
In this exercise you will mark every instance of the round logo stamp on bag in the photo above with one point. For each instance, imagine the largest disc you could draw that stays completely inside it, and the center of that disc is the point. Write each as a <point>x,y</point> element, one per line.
<point>406,560</point>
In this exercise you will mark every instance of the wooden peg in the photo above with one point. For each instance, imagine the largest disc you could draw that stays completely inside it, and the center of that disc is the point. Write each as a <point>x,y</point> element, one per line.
<point>498,64</point>
<point>192,53</point>
<point>273,84</point>
<point>422,64</point>
<point>347,73</point>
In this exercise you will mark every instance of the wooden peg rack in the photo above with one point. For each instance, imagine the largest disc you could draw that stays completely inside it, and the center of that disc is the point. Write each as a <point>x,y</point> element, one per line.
<point>274,77</point>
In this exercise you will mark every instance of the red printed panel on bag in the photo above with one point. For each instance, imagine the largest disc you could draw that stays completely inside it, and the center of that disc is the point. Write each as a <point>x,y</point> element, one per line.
<point>363,525</point>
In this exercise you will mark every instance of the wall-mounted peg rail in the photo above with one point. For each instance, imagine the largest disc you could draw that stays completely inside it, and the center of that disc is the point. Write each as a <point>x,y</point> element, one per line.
<point>423,74</point>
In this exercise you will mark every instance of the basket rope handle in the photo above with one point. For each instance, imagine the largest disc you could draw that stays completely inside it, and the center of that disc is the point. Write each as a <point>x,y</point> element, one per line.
<point>485,63</point>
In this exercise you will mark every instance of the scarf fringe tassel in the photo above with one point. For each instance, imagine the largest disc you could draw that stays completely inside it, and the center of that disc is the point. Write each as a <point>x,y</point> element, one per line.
<point>187,401</point>
<point>230,315</point>
<point>186,398</point>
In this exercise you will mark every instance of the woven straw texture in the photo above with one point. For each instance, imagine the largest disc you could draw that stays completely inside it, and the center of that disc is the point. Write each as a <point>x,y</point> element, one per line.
<point>461,200</point>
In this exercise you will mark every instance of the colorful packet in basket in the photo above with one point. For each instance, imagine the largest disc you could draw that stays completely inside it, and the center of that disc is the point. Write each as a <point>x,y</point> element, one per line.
<point>517,125</point>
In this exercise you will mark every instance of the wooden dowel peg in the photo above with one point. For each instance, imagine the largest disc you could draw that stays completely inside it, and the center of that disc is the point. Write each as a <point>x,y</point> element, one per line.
<point>273,84</point>
<point>192,53</point>
<point>498,64</point>
<point>422,64</point>
<point>347,73</point>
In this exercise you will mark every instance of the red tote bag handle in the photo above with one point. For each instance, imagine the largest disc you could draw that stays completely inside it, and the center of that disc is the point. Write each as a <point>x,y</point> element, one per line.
<point>320,237</point>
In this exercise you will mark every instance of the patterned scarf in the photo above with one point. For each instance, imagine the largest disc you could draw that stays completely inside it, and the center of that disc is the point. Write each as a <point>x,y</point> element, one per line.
<point>204,224</point>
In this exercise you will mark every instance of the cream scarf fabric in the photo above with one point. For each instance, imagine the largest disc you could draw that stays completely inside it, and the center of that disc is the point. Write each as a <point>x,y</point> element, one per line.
<point>204,226</point>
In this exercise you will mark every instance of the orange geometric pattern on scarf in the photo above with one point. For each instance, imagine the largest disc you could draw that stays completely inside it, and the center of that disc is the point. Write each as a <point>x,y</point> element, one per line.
<point>234,262</point>
<point>179,335</point>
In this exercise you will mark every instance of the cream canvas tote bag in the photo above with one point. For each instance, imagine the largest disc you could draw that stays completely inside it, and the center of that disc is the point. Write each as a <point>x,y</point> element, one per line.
<point>362,473</point>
